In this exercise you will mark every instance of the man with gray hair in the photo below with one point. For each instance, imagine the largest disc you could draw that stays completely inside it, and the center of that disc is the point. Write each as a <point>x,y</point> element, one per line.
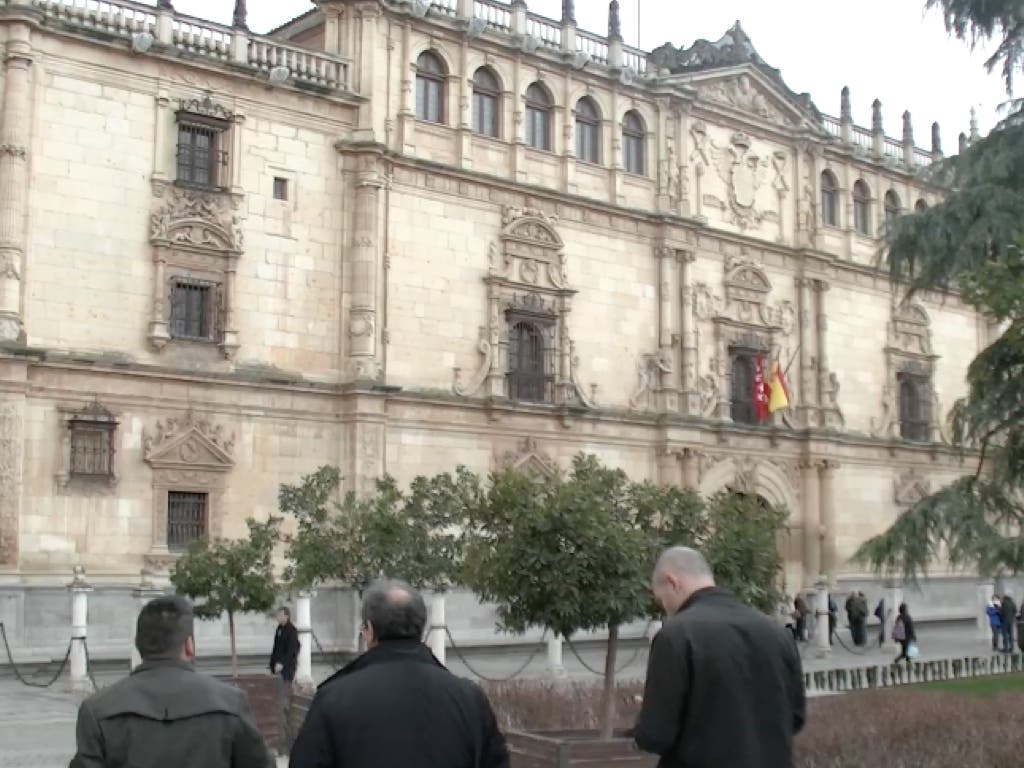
<point>724,684</point>
<point>396,705</point>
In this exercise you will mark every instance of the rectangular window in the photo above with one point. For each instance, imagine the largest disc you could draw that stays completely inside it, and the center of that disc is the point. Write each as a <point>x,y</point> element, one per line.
<point>92,448</point>
<point>280,188</point>
<point>538,132</point>
<point>914,407</point>
<point>485,114</point>
<point>193,310</point>
<point>528,375</point>
<point>743,367</point>
<point>200,156</point>
<point>186,519</point>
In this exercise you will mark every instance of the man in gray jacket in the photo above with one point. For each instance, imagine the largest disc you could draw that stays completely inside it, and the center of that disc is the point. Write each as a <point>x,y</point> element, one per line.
<point>165,714</point>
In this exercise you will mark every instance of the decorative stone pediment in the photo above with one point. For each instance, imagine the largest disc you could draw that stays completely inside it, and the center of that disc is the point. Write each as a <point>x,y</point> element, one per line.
<point>910,329</point>
<point>529,251</point>
<point>529,459</point>
<point>205,107</point>
<point>188,443</point>
<point>910,489</point>
<point>745,93</point>
<point>196,220</point>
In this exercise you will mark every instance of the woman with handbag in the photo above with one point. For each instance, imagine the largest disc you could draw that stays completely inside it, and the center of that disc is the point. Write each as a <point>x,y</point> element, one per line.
<point>903,633</point>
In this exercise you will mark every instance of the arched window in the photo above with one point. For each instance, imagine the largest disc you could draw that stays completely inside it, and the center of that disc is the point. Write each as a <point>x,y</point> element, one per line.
<point>634,140</point>
<point>829,199</point>
<point>538,117</point>
<point>892,207</point>
<point>861,208</point>
<point>486,103</point>
<point>430,88</point>
<point>920,206</point>
<point>527,364</point>
<point>914,407</point>
<point>588,131</point>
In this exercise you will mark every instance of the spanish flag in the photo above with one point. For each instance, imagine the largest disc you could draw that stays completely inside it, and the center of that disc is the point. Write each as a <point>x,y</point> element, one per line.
<point>778,397</point>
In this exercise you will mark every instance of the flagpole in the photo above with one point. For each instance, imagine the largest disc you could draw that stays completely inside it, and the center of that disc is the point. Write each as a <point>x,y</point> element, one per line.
<point>791,361</point>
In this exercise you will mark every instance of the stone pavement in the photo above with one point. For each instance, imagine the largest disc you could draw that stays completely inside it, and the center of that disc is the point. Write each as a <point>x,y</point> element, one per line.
<point>37,727</point>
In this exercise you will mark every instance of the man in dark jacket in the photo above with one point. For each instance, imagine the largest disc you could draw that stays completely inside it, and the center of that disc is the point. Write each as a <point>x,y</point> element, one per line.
<point>724,684</point>
<point>284,659</point>
<point>1008,617</point>
<point>165,714</point>
<point>396,705</point>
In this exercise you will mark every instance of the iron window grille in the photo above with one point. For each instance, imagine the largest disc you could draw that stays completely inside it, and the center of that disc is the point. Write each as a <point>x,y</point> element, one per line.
<point>186,519</point>
<point>742,366</point>
<point>92,448</point>
<point>195,309</point>
<point>201,156</point>
<point>914,407</point>
<point>529,364</point>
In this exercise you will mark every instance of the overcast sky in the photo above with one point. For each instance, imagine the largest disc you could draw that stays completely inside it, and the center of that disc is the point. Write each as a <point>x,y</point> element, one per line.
<point>885,49</point>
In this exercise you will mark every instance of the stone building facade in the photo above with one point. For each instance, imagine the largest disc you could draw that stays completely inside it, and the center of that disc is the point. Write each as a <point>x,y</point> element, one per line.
<point>402,236</point>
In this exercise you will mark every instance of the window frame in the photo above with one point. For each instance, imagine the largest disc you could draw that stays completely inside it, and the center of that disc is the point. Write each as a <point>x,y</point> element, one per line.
<point>892,206</point>
<point>742,411</point>
<point>829,199</point>
<point>914,427</point>
<point>212,309</point>
<point>542,112</point>
<point>426,80</point>
<point>535,385</point>
<point>588,131</point>
<point>861,196</point>
<point>186,171</point>
<point>180,547</point>
<point>635,138</point>
<point>484,94</point>
<point>82,426</point>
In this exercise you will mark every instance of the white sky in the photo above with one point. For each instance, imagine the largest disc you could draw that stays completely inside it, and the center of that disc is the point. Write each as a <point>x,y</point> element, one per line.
<point>885,49</point>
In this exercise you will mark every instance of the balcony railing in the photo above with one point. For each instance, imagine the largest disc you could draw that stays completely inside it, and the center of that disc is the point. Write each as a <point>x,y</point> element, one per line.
<point>497,15</point>
<point>547,31</point>
<point>202,39</point>
<point>596,46</point>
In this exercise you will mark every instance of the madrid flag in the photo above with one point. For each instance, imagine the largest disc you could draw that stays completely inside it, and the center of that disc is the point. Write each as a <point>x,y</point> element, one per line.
<point>761,391</point>
<point>778,397</point>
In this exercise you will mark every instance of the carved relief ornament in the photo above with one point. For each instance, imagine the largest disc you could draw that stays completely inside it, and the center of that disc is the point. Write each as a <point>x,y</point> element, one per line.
<point>196,219</point>
<point>188,442</point>
<point>528,458</point>
<point>910,488</point>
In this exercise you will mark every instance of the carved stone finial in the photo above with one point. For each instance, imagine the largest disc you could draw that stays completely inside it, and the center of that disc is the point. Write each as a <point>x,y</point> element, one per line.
<point>962,143</point>
<point>845,110</point>
<point>568,12</point>
<point>975,135</point>
<point>876,116</point>
<point>936,140</point>
<point>908,129</point>
<point>614,21</point>
<point>164,5</point>
<point>238,20</point>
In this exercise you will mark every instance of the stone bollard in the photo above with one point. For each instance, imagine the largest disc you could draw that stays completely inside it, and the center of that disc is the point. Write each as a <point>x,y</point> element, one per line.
<point>142,594</point>
<point>556,663</point>
<point>822,647</point>
<point>80,590</point>
<point>438,633</point>
<point>304,626</point>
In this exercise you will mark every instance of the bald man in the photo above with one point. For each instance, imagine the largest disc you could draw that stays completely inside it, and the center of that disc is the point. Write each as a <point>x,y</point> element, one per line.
<point>724,684</point>
<point>396,706</point>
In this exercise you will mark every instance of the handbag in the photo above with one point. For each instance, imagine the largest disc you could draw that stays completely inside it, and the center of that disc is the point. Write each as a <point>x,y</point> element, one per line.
<point>912,651</point>
<point>899,632</point>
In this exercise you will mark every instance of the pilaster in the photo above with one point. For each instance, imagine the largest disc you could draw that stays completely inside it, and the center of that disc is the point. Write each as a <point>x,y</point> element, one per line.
<point>808,309</point>
<point>829,556</point>
<point>691,468</point>
<point>374,112</point>
<point>688,333</point>
<point>407,108</point>
<point>811,502</point>
<point>15,136</point>
<point>668,330</point>
<point>12,441</point>
<point>364,363</point>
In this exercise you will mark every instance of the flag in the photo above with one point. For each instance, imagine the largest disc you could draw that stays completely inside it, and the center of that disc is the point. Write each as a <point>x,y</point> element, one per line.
<point>778,397</point>
<point>761,390</point>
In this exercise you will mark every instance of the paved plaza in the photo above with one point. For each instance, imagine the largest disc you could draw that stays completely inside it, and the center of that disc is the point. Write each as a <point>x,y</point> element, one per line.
<point>37,727</point>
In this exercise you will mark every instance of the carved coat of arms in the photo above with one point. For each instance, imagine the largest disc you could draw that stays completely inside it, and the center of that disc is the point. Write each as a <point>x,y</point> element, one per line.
<point>744,172</point>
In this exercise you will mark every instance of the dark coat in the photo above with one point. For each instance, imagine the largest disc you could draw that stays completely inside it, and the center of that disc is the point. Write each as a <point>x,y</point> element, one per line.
<point>724,687</point>
<point>397,706</point>
<point>286,650</point>
<point>167,715</point>
<point>1008,611</point>
<point>910,635</point>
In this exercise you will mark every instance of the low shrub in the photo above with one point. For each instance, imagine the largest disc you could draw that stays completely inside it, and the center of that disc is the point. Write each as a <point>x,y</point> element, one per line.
<point>898,728</point>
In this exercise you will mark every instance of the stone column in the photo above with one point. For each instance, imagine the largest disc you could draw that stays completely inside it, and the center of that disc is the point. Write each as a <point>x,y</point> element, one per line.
<point>893,598</point>
<point>15,135</point>
<point>563,117</point>
<point>811,503</point>
<point>142,594</point>
<point>164,24</point>
<point>364,362</point>
<point>304,625</point>
<point>12,442</point>
<point>668,392</point>
<point>688,331</point>
<point>556,664</point>
<point>830,415</point>
<point>691,468</point>
<point>822,648</point>
<point>164,120</point>
<point>407,87</point>
<point>79,660</point>
<point>985,591</point>
<point>465,119</point>
<point>829,556</point>
<point>807,307</point>
<point>568,26</point>
<point>373,114</point>
<point>438,634</point>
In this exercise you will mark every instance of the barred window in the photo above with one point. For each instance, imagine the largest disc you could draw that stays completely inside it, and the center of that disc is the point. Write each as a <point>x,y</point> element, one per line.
<point>914,407</point>
<point>528,363</point>
<point>193,310</point>
<point>743,366</point>
<point>186,519</point>
<point>200,154</point>
<point>92,448</point>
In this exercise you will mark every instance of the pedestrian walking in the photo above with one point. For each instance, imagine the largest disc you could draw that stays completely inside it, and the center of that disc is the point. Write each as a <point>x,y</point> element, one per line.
<point>396,705</point>
<point>800,614</point>
<point>284,660</point>
<point>165,714</point>
<point>858,614</point>
<point>1007,616</point>
<point>994,611</point>
<point>724,684</point>
<point>904,634</point>
<point>880,615</point>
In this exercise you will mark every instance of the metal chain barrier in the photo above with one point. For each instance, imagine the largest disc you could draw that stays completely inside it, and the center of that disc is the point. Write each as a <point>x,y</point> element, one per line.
<point>88,663</point>
<point>17,673</point>
<point>619,670</point>
<point>329,656</point>
<point>485,678</point>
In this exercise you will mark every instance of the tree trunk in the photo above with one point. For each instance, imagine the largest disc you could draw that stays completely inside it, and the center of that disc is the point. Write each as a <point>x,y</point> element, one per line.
<point>234,655</point>
<point>608,694</point>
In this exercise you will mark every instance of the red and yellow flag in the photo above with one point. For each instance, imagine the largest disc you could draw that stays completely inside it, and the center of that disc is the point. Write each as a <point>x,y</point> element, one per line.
<point>762,391</point>
<point>778,392</point>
